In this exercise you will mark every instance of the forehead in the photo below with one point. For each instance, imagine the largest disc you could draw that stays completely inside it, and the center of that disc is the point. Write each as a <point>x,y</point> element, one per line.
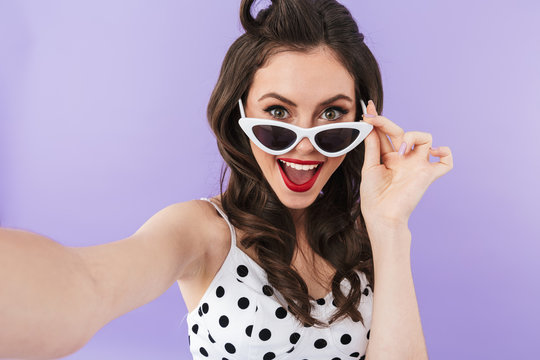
<point>315,75</point>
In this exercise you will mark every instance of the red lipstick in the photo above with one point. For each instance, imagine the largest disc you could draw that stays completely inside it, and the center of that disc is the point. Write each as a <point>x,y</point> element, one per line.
<point>305,186</point>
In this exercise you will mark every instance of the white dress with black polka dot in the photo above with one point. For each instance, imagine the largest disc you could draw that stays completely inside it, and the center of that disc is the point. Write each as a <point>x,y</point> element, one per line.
<point>240,316</point>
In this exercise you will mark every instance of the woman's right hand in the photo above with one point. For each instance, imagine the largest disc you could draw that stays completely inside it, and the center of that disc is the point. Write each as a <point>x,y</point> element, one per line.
<point>393,182</point>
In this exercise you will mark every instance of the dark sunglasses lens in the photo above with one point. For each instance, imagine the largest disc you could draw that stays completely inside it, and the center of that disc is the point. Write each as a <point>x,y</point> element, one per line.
<point>335,140</point>
<point>274,137</point>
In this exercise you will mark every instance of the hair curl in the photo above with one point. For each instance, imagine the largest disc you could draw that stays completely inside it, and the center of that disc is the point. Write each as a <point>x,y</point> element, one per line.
<point>336,228</point>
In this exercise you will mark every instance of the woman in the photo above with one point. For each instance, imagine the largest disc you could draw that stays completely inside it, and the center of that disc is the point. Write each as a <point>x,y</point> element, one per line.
<point>283,263</point>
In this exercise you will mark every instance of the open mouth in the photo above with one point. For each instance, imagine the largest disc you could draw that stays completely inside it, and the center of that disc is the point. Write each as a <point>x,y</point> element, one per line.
<point>299,177</point>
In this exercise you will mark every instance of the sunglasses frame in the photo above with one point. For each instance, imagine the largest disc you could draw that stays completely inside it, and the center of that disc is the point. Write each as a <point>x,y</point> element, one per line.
<point>247,125</point>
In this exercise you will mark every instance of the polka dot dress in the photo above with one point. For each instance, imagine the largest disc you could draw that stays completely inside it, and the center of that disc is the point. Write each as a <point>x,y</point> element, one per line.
<point>242,317</point>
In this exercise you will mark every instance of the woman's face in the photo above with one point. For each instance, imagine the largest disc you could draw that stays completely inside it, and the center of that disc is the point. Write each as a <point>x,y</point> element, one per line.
<point>307,90</point>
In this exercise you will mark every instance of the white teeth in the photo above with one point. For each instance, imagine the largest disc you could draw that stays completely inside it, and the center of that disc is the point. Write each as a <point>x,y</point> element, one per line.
<point>298,166</point>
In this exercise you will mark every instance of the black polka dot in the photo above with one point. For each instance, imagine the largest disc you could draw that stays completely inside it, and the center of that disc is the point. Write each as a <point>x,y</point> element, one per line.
<point>203,351</point>
<point>249,329</point>
<point>334,302</point>
<point>242,270</point>
<point>200,311</point>
<point>243,303</point>
<point>189,340</point>
<point>281,313</point>
<point>307,325</point>
<point>345,339</point>
<point>336,358</point>
<point>321,301</point>
<point>220,291</point>
<point>363,357</point>
<point>368,333</point>
<point>320,343</point>
<point>290,350</point>
<point>223,321</point>
<point>239,280</point>
<point>265,334</point>
<point>269,356</point>
<point>355,354</point>
<point>205,308</point>
<point>230,348</point>
<point>267,290</point>
<point>294,338</point>
<point>211,338</point>
<point>195,328</point>
<point>366,291</point>
<point>256,308</point>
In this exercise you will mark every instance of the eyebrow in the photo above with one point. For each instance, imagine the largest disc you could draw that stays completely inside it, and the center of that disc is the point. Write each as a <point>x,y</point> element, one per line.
<point>287,101</point>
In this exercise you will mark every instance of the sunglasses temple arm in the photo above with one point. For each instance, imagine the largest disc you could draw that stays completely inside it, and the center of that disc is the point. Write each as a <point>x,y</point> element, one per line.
<point>364,108</point>
<point>242,113</point>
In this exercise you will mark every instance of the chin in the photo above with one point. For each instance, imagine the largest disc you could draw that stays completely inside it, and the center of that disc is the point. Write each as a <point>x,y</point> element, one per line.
<point>298,201</point>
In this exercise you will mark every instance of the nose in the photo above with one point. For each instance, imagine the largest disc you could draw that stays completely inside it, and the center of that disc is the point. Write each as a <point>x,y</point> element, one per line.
<point>304,146</point>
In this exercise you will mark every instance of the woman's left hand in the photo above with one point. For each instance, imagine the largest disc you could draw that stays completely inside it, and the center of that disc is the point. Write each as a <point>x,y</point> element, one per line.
<point>393,184</point>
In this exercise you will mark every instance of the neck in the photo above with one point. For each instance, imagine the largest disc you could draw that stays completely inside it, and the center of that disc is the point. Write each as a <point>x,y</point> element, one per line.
<point>298,216</point>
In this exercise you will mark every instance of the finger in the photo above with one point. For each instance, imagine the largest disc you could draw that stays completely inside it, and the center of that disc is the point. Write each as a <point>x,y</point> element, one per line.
<point>386,126</point>
<point>372,156</point>
<point>421,140</point>
<point>445,164</point>
<point>371,118</point>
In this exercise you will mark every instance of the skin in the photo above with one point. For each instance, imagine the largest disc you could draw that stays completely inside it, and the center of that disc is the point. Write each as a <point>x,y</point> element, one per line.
<point>297,77</point>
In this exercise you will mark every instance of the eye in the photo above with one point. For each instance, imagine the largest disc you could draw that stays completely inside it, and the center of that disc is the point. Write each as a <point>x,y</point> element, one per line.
<point>334,113</point>
<point>277,112</point>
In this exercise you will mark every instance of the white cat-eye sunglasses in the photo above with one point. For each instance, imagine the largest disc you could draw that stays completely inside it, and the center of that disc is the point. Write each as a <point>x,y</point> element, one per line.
<point>277,138</point>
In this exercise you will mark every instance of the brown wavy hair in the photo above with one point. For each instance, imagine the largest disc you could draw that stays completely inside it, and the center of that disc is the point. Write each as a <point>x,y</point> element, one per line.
<point>335,227</point>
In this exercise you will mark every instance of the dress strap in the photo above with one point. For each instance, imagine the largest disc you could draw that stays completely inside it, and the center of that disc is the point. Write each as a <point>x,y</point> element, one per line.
<point>222,213</point>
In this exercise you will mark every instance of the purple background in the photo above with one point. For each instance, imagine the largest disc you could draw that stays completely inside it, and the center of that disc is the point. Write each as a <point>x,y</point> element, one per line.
<point>102,124</point>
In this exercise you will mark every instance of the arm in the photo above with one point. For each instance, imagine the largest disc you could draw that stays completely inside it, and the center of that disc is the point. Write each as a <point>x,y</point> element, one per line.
<point>392,185</point>
<point>55,298</point>
<point>396,329</point>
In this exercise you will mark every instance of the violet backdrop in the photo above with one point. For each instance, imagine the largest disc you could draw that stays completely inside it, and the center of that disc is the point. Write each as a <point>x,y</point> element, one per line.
<point>103,123</point>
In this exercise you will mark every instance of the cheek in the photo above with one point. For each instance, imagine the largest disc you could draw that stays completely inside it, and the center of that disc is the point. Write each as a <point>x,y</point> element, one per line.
<point>334,163</point>
<point>263,159</point>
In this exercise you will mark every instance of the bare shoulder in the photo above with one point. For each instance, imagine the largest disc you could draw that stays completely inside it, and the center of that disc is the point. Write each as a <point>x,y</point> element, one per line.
<point>195,217</point>
<point>198,221</point>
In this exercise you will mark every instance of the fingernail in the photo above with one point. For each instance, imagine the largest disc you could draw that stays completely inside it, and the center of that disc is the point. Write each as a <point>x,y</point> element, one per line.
<point>402,148</point>
<point>371,101</point>
<point>435,148</point>
<point>369,115</point>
